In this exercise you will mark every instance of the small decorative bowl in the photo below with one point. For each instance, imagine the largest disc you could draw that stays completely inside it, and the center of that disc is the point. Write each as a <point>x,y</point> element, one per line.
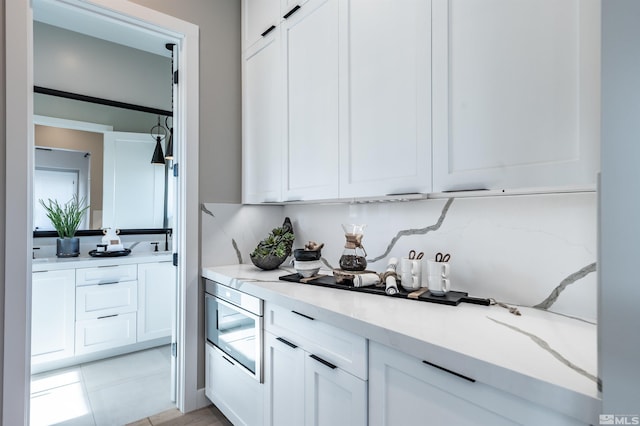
<point>307,268</point>
<point>268,262</point>
<point>302,254</point>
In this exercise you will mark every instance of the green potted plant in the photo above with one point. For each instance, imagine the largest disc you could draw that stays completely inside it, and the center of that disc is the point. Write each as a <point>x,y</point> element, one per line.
<point>66,219</point>
<point>273,250</point>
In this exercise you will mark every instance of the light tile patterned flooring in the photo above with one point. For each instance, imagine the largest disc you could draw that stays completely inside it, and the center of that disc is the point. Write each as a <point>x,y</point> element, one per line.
<point>110,392</point>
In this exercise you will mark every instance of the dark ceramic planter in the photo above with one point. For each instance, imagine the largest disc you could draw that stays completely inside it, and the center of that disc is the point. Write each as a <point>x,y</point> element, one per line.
<point>68,247</point>
<point>267,262</point>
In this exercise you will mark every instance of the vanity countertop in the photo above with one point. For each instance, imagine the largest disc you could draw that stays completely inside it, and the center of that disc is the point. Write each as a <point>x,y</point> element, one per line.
<point>543,357</point>
<point>86,261</point>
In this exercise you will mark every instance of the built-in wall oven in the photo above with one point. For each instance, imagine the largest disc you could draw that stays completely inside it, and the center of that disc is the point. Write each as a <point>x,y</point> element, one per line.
<point>233,326</point>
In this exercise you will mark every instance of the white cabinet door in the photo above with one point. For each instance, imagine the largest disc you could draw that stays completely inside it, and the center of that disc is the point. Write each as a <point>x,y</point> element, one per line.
<point>284,381</point>
<point>333,396</point>
<point>403,390</point>
<point>262,122</point>
<point>156,299</point>
<point>258,16</point>
<point>238,395</point>
<point>515,93</point>
<point>106,332</point>
<point>310,58</point>
<point>386,97</point>
<point>52,315</point>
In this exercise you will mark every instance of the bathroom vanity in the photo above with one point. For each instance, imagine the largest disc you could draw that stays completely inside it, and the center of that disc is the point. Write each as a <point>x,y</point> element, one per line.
<point>84,309</point>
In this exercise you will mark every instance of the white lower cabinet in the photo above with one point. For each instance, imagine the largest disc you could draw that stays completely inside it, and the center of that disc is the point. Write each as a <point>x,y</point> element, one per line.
<point>238,395</point>
<point>404,390</point>
<point>284,380</point>
<point>315,374</point>
<point>105,332</point>
<point>333,396</point>
<point>156,299</point>
<point>53,315</point>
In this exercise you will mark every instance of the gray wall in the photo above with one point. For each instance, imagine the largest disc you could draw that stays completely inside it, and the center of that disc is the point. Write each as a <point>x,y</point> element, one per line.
<point>220,92</point>
<point>73,62</point>
<point>619,316</point>
<point>69,61</point>
<point>2,193</point>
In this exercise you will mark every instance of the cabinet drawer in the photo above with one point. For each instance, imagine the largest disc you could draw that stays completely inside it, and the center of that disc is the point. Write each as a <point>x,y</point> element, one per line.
<point>346,350</point>
<point>106,274</point>
<point>105,333</point>
<point>94,301</point>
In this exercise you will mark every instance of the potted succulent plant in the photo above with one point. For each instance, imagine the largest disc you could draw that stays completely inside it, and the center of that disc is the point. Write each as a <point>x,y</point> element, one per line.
<point>273,250</point>
<point>66,219</point>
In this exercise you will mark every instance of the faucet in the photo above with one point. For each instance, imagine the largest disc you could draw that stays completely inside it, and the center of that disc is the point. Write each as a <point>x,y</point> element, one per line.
<point>167,234</point>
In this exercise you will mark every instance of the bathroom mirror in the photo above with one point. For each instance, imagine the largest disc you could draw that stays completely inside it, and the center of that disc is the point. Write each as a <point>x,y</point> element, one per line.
<point>108,164</point>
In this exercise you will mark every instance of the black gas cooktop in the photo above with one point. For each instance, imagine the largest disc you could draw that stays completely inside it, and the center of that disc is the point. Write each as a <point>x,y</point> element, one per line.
<point>451,298</point>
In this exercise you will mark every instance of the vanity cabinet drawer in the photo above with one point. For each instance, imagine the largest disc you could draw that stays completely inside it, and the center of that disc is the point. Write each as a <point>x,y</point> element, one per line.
<point>106,274</point>
<point>107,332</point>
<point>346,350</point>
<point>94,301</point>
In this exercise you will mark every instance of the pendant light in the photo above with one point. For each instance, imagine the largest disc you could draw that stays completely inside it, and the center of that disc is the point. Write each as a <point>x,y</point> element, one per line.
<point>158,156</point>
<point>169,154</point>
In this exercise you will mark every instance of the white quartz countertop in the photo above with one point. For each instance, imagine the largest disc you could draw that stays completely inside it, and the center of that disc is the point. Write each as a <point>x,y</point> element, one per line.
<point>540,356</point>
<point>86,261</point>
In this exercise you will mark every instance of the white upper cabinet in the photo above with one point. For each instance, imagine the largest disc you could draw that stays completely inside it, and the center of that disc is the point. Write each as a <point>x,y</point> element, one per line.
<point>386,101</point>
<point>262,121</point>
<point>258,18</point>
<point>516,93</point>
<point>138,201</point>
<point>310,58</point>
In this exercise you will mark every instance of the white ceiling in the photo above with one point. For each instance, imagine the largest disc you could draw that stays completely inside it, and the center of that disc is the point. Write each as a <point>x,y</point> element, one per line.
<point>103,27</point>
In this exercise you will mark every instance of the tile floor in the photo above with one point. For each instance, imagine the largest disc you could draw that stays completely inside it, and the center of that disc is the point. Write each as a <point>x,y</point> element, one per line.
<point>110,392</point>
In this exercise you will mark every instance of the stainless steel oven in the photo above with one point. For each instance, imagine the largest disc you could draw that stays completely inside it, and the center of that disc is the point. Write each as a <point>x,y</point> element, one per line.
<point>233,325</point>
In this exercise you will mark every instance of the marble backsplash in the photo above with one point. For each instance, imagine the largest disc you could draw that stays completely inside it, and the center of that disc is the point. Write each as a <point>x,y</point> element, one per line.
<point>529,250</point>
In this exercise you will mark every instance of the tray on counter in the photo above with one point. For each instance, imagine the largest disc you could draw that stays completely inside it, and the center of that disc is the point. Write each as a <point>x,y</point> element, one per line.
<point>96,253</point>
<point>452,298</point>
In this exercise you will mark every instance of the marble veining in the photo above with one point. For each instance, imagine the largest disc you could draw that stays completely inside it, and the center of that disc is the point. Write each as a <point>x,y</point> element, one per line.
<point>549,301</point>
<point>545,346</point>
<point>205,210</point>
<point>237,250</point>
<point>418,231</point>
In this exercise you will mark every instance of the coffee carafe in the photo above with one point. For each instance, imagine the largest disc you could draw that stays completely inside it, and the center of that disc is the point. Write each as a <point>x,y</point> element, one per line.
<point>354,255</point>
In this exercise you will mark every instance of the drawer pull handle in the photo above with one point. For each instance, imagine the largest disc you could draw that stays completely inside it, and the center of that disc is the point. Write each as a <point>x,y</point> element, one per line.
<point>108,266</point>
<point>462,376</point>
<point>108,316</point>
<point>322,361</point>
<point>108,282</point>
<point>268,30</point>
<point>286,342</point>
<point>303,315</point>
<point>228,360</point>
<point>292,11</point>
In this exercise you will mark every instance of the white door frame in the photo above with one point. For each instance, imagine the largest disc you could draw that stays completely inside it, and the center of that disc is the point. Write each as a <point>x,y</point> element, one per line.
<point>19,159</point>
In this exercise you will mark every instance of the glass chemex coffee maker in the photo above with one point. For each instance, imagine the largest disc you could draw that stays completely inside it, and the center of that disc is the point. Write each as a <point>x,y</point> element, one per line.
<point>354,255</point>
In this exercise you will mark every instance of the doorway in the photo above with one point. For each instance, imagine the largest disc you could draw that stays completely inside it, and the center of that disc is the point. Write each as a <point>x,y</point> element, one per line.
<point>19,123</point>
